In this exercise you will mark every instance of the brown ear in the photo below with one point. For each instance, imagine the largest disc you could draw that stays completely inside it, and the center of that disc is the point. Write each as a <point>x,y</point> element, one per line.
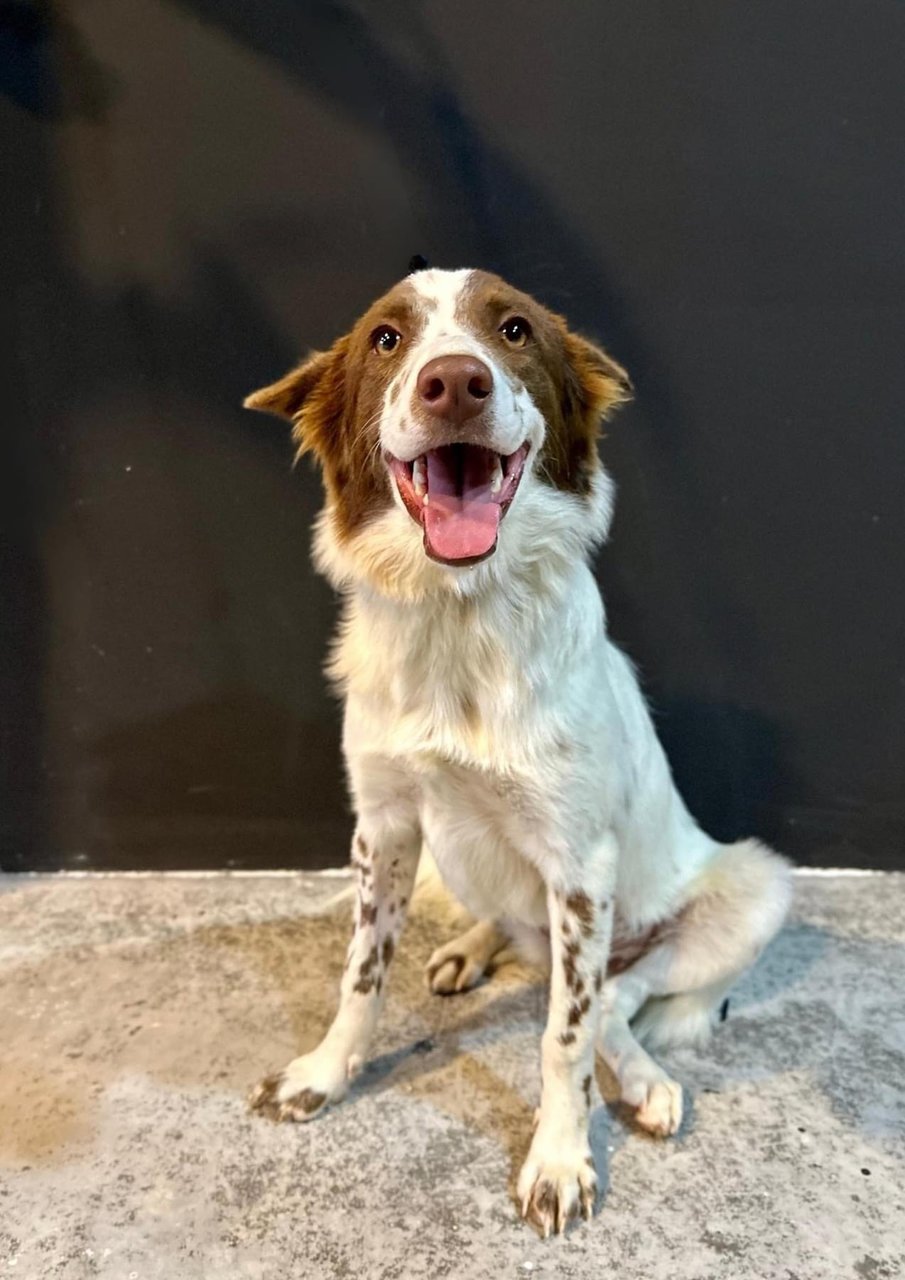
<point>598,385</point>
<point>311,396</point>
<point>286,397</point>
<point>593,386</point>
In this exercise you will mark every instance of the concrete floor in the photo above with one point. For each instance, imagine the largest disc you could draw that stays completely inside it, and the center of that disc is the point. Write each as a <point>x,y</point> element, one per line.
<point>135,1013</point>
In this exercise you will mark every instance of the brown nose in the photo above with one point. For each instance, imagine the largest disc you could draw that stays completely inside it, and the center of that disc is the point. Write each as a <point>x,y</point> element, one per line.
<point>455,388</point>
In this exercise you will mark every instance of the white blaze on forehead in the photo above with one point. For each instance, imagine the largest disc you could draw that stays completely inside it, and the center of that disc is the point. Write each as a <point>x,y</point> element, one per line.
<point>439,292</point>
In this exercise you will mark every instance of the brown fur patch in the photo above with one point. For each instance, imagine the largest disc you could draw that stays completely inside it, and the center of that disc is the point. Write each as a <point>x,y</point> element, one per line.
<point>309,1100</point>
<point>570,965</point>
<point>574,383</point>
<point>334,399</point>
<point>389,946</point>
<point>368,913</point>
<point>598,981</point>
<point>586,1087</point>
<point>582,908</point>
<point>626,947</point>
<point>578,1011</point>
<point>566,1037</point>
<point>366,978</point>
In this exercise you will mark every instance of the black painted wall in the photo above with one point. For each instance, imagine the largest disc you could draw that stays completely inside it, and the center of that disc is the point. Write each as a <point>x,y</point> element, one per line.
<point>195,191</point>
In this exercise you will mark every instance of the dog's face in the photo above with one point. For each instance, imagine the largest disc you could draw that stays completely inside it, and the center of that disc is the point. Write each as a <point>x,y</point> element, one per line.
<point>448,400</point>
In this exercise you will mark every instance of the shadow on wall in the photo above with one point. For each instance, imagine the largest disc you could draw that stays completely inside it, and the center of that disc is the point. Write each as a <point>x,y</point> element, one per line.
<point>216,343</point>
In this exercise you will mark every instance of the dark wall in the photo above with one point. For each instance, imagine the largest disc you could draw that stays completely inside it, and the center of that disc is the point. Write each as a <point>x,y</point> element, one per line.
<point>196,191</point>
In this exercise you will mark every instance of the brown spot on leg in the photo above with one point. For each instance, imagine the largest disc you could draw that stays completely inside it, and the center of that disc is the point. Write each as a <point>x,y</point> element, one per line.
<point>368,913</point>
<point>566,1037</point>
<point>586,1086</point>
<point>598,981</point>
<point>389,946</point>
<point>582,908</point>
<point>578,1011</point>
<point>366,978</point>
<point>570,968</point>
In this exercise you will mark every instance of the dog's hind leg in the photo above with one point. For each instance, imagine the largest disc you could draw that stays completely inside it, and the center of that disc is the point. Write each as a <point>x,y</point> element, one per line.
<point>669,995</point>
<point>461,964</point>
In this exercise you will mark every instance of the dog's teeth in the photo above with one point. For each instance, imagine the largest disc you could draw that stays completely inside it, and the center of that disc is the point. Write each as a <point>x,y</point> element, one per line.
<point>419,477</point>
<point>496,481</point>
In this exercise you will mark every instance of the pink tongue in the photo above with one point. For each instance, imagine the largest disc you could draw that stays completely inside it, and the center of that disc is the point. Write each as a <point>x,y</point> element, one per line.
<point>462,517</point>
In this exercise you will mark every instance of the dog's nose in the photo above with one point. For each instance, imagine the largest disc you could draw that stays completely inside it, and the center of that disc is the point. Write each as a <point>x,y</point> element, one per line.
<point>455,388</point>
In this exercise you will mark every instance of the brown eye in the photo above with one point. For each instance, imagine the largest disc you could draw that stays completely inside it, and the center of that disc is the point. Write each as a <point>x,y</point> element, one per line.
<point>385,340</point>
<point>516,331</point>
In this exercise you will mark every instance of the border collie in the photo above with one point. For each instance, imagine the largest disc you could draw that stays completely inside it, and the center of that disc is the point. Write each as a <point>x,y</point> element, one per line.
<point>489,718</point>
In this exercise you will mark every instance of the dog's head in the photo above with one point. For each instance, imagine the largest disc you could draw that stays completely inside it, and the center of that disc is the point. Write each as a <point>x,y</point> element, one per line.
<point>453,401</point>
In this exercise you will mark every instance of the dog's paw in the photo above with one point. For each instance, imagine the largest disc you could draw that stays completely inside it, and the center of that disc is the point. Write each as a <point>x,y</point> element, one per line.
<point>660,1113</point>
<point>303,1089</point>
<point>557,1185</point>
<point>451,969</point>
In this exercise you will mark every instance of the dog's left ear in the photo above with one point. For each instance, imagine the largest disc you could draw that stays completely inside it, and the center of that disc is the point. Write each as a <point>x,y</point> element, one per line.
<point>595,384</point>
<point>311,396</point>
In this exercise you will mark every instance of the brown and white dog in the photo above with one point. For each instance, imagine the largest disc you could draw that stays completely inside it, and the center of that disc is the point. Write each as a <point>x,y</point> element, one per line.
<point>489,717</point>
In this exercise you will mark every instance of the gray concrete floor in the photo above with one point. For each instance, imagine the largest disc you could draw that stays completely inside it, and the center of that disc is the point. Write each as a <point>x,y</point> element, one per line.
<point>135,1013</point>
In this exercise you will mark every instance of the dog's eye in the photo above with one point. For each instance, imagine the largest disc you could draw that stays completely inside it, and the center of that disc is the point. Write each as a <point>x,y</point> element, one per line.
<point>385,340</point>
<point>516,330</point>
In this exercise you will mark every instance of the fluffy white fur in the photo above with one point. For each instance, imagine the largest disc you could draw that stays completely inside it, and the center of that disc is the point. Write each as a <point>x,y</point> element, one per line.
<point>489,716</point>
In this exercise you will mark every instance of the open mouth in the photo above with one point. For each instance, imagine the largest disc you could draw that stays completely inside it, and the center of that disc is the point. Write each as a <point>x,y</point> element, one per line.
<point>459,493</point>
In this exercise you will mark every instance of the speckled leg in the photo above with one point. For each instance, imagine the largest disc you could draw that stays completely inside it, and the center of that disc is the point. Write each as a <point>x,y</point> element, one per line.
<point>558,1179</point>
<point>385,859</point>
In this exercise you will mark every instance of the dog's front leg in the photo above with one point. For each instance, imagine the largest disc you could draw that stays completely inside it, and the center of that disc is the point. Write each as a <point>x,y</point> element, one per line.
<point>385,859</point>
<point>558,1180</point>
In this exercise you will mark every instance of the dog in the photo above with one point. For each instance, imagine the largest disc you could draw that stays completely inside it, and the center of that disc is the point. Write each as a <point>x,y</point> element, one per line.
<point>489,718</point>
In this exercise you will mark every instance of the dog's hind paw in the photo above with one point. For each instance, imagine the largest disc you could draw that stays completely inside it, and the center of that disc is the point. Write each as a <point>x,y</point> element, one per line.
<point>461,964</point>
<point>449,972</point>
<point>661,1111</point>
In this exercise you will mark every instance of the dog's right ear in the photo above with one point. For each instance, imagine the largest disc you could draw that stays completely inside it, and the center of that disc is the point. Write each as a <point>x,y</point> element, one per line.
<point>311,396</point>
<point>287,397</point>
